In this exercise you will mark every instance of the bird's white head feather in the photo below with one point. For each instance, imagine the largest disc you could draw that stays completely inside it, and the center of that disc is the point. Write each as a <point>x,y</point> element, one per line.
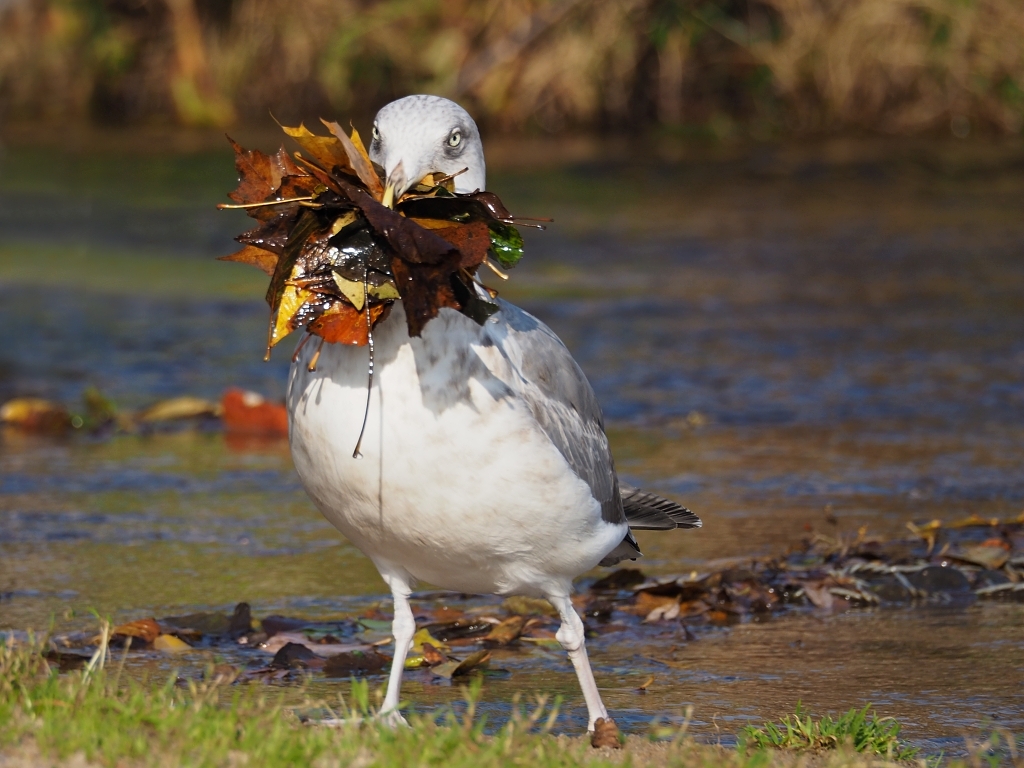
<point>424,134</point>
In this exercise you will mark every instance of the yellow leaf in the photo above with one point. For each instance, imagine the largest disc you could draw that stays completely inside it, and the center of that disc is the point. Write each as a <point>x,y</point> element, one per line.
<point>423,636</point>
<point>171,644</point>
<point>357,141</point>
<point>184,407</point>
<point>326,151</point>
<point>33,413</point>
<point>385,291</point>
<point>341,222</point>
<point>351,290</point>
<point>292,300</point>
<point>358,161</point>
<point>434,223</point>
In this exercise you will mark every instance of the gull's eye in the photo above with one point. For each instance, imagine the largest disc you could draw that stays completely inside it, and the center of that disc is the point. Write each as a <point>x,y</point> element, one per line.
<point>375,133</point>
<point>455,139</point>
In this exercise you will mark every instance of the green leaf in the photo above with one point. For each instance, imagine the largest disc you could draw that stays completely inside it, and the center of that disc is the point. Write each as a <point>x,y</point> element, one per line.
<point>506,243</point>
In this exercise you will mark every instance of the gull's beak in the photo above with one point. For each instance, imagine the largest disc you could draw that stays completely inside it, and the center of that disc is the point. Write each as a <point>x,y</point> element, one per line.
<point>388,201</point>
<point>395,186</point>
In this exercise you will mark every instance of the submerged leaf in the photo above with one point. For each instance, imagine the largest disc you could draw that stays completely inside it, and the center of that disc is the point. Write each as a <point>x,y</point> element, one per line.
<point>170,644</point>
<point>455,668</point>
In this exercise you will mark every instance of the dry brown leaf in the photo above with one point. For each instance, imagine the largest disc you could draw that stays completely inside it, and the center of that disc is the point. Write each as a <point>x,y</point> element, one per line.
<point>506,632</point>
<point>146,630</point>
<point>358,160</point>
<point>35,414</point>
<point>326,151</point>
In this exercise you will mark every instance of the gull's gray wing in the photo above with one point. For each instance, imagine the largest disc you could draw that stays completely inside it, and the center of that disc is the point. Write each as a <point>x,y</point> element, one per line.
<point>562,401</point>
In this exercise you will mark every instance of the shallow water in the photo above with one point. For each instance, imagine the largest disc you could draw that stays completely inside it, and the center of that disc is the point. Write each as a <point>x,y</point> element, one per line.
<point>781,340</point>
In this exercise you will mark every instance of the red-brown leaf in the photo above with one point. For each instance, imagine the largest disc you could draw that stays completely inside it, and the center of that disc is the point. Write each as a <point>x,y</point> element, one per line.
<point>344,324</point>
<point>259,258</point>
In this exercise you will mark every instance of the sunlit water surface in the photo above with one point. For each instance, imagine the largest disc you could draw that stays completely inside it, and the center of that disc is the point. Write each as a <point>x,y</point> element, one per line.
<point>781,340</point>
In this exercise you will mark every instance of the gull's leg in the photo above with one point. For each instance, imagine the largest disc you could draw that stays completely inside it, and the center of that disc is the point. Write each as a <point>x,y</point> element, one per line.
<point>570,635</point>
<point>402,627</point>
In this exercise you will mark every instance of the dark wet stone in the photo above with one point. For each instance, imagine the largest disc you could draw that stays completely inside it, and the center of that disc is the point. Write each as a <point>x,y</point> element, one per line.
<point>889,589</point>
<point>241,620</point>
<point>936,579</point>
<point>296,656</point>
<point>272,625</point>
<point>599,609</point>
<point>623,578</point>
<point>68,659</point>
<point>990,578</point>
<point>355,662</point>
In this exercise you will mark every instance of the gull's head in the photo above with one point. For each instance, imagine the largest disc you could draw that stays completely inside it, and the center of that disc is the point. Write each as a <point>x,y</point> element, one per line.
<point>418,135</point>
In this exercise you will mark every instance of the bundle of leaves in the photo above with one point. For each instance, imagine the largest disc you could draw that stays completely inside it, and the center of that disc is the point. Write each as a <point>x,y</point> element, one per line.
<point>339,255</point>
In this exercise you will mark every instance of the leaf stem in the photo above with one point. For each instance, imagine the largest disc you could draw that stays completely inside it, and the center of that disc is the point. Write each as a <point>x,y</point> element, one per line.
<point>240,206</point>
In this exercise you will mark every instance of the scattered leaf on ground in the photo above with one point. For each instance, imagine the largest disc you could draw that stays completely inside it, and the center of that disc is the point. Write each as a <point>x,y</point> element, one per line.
<point>248,413</point>
<point>528,606</point>
<point>34,414</point>
<point>170,644</point>
<point>145,630</point>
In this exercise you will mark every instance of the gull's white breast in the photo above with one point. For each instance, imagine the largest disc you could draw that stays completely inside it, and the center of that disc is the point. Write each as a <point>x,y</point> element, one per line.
<point>458,484</point>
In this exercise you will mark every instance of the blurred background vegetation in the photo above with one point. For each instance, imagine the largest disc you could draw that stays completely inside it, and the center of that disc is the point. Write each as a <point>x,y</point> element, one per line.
<point>726,68</point>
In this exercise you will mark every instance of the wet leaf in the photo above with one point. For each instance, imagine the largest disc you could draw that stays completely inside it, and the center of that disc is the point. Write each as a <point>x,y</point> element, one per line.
<point>34,414</point>
<point>326,151</point>
<point>459,629</point>
<point>247,413</point>
<point>313,210</point>
<point>992,554</point>
<point>450,669</point>
<point>423,636</point>
<point>819,595</point>
<point>146,630</point>
<point>507,631</point>
<point>170,644</point>
<point>506,244</point>
<point>432,656</point>
<point>179,408</point>
<point>342,324</point>
<point>358,159</point>
<point>656,607</point>
<point>265,261</point>
<point>528,606</point>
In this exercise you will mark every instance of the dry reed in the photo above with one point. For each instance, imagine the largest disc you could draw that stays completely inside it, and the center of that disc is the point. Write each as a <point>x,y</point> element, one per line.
<point>756,67</point>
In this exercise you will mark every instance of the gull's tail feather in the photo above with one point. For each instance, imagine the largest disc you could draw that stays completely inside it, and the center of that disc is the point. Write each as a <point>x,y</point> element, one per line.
<point>647,512</point>
<point>650,512</point>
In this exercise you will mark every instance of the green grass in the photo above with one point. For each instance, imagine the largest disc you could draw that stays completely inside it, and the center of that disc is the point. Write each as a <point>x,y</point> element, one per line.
<point>97,716</point>
<point>859,729</point>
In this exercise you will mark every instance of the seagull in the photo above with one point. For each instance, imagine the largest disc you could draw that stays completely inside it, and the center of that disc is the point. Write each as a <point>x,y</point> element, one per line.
<point>484,466</point>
